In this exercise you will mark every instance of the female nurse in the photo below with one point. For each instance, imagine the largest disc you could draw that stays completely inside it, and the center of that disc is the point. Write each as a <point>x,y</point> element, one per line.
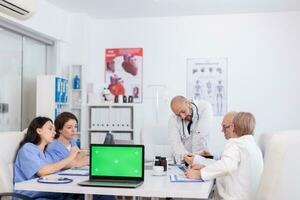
<point>66,129</point>
<point>31,160</point>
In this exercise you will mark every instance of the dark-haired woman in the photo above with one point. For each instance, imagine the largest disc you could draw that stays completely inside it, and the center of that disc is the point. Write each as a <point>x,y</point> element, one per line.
<point>31,161</point>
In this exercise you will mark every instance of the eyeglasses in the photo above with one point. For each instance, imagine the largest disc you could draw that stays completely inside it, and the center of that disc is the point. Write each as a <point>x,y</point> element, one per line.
<point>224,127</point>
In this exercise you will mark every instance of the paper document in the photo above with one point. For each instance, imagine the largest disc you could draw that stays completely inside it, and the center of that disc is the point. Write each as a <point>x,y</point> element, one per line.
<point>75,172</point>
<point>182,178</point>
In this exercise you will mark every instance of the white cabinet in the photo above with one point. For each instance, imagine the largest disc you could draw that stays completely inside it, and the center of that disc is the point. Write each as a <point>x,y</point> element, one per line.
<point>77,100</point>
<point>117,119</point>
<point>51,95</point>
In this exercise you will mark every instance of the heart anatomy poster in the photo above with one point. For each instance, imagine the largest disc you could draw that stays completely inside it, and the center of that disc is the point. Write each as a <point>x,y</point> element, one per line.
<point>124,70</point>
<point>207,80</point>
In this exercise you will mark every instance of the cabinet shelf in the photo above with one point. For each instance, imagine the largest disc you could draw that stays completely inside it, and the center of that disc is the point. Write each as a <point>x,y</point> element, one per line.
<point>110,104</point>
<point>63,104</point>
<point>112,130</point>
<point>77,100</point>
<point>117,119</point>
<point>76,108</point>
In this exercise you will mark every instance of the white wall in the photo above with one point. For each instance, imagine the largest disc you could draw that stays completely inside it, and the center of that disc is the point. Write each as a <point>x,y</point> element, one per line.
<point>262,51</point>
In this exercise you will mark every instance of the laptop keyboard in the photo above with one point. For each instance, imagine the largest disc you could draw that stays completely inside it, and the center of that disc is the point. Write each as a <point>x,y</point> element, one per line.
<point>115,181</point>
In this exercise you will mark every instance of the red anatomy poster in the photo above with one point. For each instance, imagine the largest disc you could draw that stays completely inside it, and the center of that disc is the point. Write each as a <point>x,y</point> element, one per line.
<point>123,72</point>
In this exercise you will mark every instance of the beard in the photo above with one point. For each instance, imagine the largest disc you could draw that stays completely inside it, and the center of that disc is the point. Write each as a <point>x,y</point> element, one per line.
<point>188,118</point>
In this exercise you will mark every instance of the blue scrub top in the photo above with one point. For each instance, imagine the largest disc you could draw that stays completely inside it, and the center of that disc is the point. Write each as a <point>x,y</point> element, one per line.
<point>30,159</point>
<point>57,151</point>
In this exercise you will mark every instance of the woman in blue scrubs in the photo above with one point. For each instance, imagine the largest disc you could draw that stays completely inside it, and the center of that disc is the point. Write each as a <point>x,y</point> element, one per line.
<point>31,161</point>
<point>66,129</point>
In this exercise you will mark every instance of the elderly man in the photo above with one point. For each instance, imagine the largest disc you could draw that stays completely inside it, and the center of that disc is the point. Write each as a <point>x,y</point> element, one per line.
<point>189,126</point>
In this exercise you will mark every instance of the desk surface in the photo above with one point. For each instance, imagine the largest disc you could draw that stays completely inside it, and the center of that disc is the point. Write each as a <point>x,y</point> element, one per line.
<point>153,186</point>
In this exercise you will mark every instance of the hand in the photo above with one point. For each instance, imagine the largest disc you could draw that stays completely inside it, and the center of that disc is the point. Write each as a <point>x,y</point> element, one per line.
<point>189,158</point>
<point>193,174</point>
<point>197,166</point>
<point>204,153</point>
<point>85,161</point>
<point>73,152</point>
<point>80,155</point>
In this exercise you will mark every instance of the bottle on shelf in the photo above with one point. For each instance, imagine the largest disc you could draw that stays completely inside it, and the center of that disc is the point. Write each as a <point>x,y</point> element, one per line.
<point>76,82</point>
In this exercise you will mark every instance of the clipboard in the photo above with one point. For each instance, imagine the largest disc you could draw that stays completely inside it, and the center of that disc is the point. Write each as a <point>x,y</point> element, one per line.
<point>182,179</point>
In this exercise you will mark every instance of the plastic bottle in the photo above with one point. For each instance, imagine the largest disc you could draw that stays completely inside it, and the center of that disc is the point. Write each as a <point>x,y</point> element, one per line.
<point>76,82</point>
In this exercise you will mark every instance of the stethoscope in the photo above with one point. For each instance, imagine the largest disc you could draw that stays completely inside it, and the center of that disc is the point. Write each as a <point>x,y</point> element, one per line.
<point>183,135</point>
<point>60,180</point>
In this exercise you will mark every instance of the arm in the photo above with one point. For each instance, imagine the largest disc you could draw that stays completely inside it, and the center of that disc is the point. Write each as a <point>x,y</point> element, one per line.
<point>51,168</point>
<point>229,162</point>
<point>174,137</point>
<point>80,161</point>
<point>202,128</point>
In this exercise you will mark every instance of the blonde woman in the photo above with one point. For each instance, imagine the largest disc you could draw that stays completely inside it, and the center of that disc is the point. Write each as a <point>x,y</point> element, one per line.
<point>239,170</point>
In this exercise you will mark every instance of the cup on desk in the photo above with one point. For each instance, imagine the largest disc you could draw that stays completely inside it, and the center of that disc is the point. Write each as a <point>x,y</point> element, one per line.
<point>158,170</point>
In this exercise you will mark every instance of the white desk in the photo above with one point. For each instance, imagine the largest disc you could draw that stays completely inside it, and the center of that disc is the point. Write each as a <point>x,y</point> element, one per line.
<point>153,186</point>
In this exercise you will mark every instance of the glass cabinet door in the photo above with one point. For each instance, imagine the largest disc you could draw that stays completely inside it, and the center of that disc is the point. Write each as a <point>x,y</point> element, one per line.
<point>34,64</point>
<point>10,80</point>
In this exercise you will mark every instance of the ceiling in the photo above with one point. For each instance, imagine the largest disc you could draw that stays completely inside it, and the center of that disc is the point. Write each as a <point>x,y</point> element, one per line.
<point>107,9</point>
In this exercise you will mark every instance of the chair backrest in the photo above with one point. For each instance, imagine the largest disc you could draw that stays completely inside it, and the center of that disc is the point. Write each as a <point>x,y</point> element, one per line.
<point>281,176</point>
<point>9,143</point>
<point>155,139</point>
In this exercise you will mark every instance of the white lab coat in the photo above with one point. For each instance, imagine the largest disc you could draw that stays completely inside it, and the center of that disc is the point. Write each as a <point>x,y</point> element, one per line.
<point>238,172</point>
<point>180,140</point>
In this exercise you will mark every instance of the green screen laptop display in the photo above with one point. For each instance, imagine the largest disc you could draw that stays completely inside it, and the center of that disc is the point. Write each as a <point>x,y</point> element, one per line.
<point>116,161</point>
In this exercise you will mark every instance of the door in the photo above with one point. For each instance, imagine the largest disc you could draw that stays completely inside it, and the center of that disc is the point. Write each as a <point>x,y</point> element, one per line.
<point>10,80</point>
<point>34,63</point>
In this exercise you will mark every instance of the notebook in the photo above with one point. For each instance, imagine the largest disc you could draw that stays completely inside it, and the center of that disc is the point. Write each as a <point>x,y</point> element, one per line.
<point>115,166</point>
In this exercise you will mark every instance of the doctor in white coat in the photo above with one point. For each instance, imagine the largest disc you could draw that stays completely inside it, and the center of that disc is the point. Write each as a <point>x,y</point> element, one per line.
<point>239,170</point>
<point>189,126</point>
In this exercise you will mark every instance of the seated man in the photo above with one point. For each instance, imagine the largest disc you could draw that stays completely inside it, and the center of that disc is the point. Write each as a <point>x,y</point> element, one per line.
<point>239,170</point>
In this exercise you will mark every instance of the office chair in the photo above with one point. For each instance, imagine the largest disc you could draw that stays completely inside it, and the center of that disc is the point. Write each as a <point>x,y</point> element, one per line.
<point>9,143</point>
<point>109,139</point>
<point>281,175</point>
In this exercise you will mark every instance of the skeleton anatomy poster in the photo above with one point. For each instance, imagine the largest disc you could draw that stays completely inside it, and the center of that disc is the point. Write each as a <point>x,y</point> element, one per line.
<point>207,80</point>
<point>123,72</point>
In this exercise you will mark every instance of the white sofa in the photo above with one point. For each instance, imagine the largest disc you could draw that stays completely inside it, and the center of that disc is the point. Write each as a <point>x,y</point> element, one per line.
<point>281,176</point>
<point>9,143</point>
